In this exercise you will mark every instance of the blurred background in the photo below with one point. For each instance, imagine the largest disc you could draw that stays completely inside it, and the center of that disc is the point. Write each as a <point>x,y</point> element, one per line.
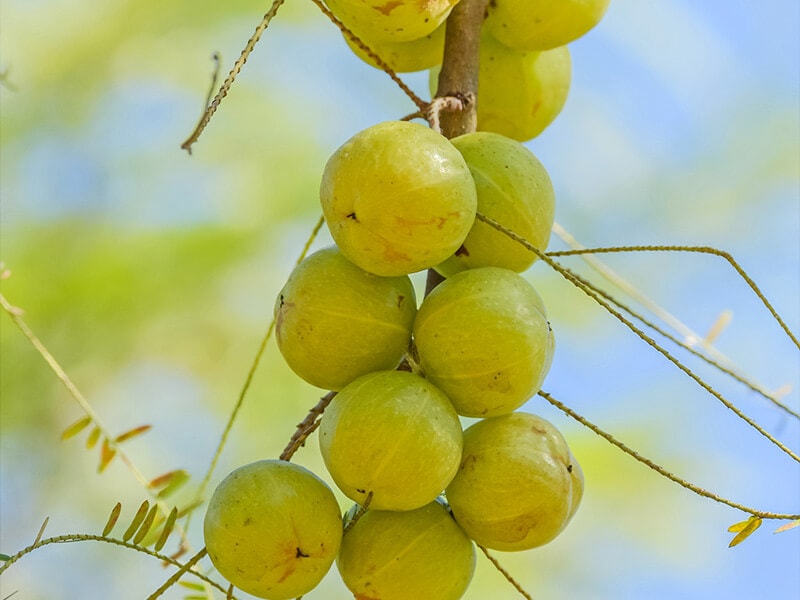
<point>151,275</point>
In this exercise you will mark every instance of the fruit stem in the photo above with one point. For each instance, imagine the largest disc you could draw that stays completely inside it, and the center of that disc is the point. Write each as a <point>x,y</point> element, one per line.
<point>459,75</point>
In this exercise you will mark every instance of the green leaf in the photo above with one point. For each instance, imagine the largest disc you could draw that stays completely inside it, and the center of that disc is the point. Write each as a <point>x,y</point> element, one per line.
<point>169,482</point>
<point>112,519</point>
<point>146,524</point>
<point>75,428</point>
<point>750,526</point>
<point>168,526</point>
<point>787,526</point>
<point>4,557</point>
<point>137,520</point>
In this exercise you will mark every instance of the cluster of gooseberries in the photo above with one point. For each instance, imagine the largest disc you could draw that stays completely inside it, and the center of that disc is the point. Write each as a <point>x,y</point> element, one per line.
<point>399,198</point>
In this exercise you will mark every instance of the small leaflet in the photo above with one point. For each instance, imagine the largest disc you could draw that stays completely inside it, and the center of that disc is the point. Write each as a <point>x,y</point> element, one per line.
<point>4,557</point>
<point>107,454</point>
<point>75,428</point>
<point>112,519</point>
<point>169,482</point>
<point>787,526</point>
<point>744,530</point>
<point>132,433</point>
<point>137,520</point>
<point>170,523</point>
<point>94,435</point>
<point>146,524</point>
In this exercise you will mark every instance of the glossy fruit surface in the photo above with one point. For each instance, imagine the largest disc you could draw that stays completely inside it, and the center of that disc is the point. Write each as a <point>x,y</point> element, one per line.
<point>273,529</point>
<point>515,190</point>
<point>542,24</point>
<point>393,21</point>
<point>521,92</point>
<point>336,322</point>
<point>404,57</point>
<point>407,555</point>
<point>482,338</point>
<point>393,434</point>
<point>398,198</point>
<point>518,485</point>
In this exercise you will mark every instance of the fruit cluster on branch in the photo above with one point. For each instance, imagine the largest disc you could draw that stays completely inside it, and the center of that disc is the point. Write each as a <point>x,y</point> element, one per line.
<point>400,198</point>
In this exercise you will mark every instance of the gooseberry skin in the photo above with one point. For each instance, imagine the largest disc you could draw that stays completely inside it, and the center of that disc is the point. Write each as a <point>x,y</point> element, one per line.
<point>482,337</point>
<point>515,190</point>
<point>393,435</point>
<point>518,485</point>
<point>273,529</point>
<point>402,555</point>
<point>398,198</point>
<point>542,24</point>
<point>395,21</point>
<point>336,322</point>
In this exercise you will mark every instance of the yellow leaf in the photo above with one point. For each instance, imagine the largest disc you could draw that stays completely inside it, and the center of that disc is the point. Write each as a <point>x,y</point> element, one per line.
<point>753,523</point>
<point>94,435</point>
<point>75,428</point>
<point>737,527</point>
<point>107,454</point>
<point>787,526</point>
<point>132,433</point>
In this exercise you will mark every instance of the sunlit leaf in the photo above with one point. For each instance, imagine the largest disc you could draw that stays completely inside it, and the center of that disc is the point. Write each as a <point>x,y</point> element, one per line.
<point>107,454</point>
<point>137,520</point>
<point>132,433</point>
<point>168,526</point>
<point>75,428</point>
<point>787,526</point>
<point>169,482</point>
<point>154,531</point>
<point>112,519</point>
<point>146,524</point>
<point>94,435</point>
<point>737,527</point>
<point>753,523</point>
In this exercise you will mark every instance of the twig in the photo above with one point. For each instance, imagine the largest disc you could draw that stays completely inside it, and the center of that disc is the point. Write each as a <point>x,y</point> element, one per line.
<point>659,469</point>
<point>307,426</point>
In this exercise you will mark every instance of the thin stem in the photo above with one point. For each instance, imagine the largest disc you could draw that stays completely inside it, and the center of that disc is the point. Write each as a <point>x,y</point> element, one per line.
<point>380,63</point>
<point>178,574</point>
<point>81,537</point>
<point>307,426</point>
<point>588,289</point>
<point>249,379</point>
<point>504,573</point>
<point>226,85</point>
<point>659,469</point>
<point>16,316</point>
<point>696,249</point>
<point>707,359</point>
